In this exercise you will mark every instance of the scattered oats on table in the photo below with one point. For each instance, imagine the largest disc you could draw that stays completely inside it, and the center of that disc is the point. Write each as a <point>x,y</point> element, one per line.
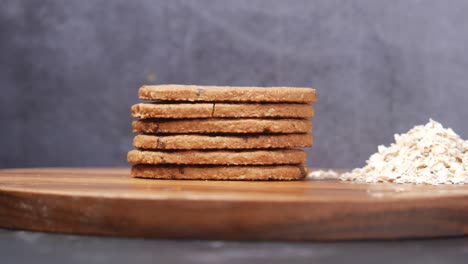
<point>323,174</point>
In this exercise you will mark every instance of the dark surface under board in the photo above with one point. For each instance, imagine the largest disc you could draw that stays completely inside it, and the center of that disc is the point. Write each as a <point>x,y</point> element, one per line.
<point>39,248</point>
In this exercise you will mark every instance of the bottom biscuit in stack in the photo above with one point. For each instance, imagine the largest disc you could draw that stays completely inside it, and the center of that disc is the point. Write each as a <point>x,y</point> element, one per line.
<point>215,172</point>
<point>281,164</point>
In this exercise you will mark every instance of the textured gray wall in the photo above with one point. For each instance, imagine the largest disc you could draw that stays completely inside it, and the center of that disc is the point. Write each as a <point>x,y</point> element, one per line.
<point>69,70</point>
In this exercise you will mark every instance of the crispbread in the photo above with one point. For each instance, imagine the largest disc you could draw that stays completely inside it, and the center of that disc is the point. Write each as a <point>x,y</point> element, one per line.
<point>207,141</point>
<point>173,92</point>
<point>220,157</point>
<point>281,172</point>
<point>222,125</point>
<point>209,110</point>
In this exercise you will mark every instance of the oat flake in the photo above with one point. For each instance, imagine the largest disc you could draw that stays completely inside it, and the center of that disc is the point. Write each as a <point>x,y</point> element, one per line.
<point>429,154</point>
<point>323,175</point>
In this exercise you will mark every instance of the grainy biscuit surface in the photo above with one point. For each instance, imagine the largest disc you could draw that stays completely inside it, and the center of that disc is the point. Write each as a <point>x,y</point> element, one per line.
<point>209,110</point>
<point>220,125</point>
<point>221,132</point>
<point>172,110</point>
<point>281,172</point>
<point>173,92</point>
<point>220,157</point>
<point>200,141</point>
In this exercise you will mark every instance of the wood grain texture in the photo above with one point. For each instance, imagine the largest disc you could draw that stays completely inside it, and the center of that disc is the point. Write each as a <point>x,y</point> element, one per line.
<point>110,202</point>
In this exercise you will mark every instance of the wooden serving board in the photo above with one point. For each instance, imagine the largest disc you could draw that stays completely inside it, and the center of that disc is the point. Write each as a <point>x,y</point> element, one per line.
<point>109,202</point>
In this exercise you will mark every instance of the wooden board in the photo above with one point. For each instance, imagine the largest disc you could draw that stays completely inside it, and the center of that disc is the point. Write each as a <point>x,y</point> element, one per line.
<point>109,202</point>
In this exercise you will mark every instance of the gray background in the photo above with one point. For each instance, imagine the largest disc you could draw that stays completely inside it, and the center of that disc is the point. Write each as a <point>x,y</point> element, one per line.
<point>69,70</point>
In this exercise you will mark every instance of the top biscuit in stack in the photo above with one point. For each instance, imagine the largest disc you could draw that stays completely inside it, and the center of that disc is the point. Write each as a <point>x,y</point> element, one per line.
<point>221,133</point>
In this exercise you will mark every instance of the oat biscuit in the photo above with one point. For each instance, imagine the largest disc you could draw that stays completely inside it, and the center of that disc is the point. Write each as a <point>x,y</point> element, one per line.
<point>172,110</point>
<point>222,125</point>
<point>284,172</point>
<point>220,157</point>
<point>173,92</point>
<point>210,110</point>
<point>207,141</point>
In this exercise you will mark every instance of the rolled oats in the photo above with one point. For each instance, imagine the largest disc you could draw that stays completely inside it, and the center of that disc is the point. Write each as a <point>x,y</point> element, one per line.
<point>429,154</point>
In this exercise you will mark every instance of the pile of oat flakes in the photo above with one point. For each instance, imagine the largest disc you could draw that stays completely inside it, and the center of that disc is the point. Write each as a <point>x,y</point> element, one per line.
<point>429,154</point>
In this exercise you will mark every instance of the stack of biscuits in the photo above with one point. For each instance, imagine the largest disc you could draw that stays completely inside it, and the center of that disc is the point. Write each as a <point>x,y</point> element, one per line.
<point>221,133</point>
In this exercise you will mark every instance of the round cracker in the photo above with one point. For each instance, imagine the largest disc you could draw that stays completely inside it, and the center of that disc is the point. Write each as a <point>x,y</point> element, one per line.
<point>220,157</point>
<point>173,92</point>
<point>221,125</point>
<point>210,110</point>
<point>282,172</point>
<point>207,141</point>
